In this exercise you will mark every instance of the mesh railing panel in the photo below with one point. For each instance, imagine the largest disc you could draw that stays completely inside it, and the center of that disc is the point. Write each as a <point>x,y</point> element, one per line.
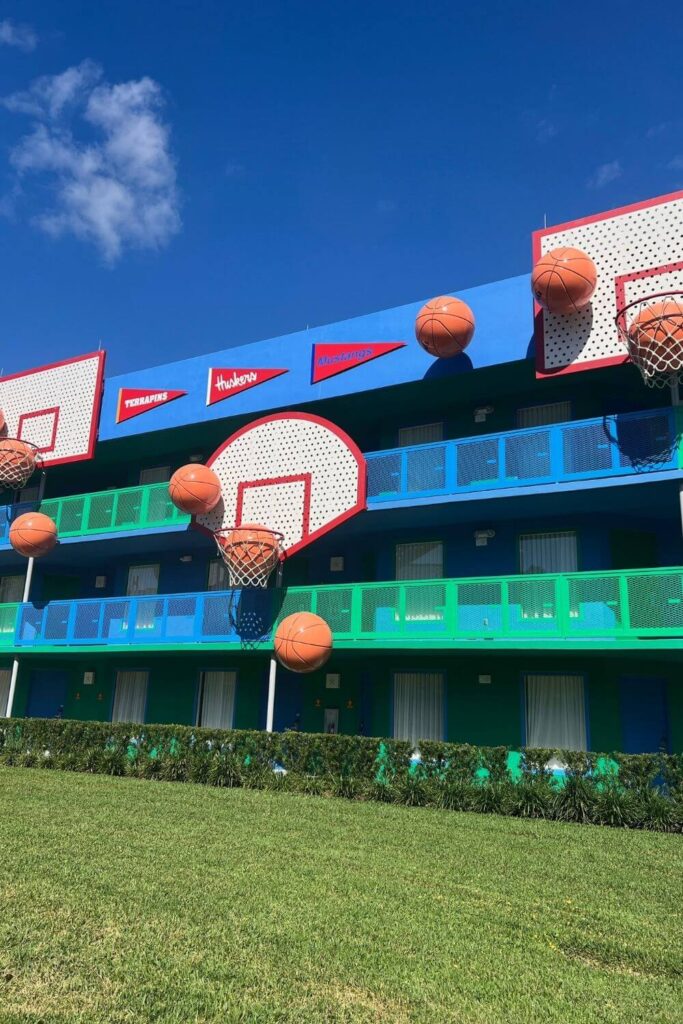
<point>102,512</point>
<point>8,623</point>
<point>56,621</point>
<point>215,619</point>
<point>160,508</point>
<point>384,474</point>
<point>586,448</point>
<point>68,513</point>
<point>129,509</point>
<point>379,611</point>
<point>29,623</point>
<point>290,601</point>
<point>532,606</point>
<point>426,468</point>
<point>649,442</point>
<point>477,461</point>
<point>425,608</point>
<point>527,456</point>
<point>181,617</point>
<point>595,605</point>
<point>87,621</point>
<point>656,602</point>
<point>479,608</point>
<point>115,621</point>
<point>148,618</point>
<point>335,607</point>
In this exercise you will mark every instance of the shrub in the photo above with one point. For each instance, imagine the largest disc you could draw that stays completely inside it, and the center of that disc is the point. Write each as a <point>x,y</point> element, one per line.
<point>619,790</point>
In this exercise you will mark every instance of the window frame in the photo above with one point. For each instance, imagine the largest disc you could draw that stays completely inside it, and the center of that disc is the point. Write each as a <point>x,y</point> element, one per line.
<point>200,693</point>
<point>148,673</point>
<point>544,405</point>
<point>523,702</point>
<point>420,426</point>
<point>143,565</point>
<point>152,469</point>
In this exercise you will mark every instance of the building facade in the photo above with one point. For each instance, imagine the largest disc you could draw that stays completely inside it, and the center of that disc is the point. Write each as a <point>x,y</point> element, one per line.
<point>515,579</point>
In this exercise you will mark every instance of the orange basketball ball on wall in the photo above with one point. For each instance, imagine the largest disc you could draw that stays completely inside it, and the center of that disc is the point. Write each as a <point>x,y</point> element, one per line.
<point>195,489</point>
<point>303,642</point>
<point>563,281</point>
<point>444,326</point>
<point>33,534</point>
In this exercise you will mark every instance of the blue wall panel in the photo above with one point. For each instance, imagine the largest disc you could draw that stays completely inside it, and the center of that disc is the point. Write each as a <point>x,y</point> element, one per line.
<point>503,311</point>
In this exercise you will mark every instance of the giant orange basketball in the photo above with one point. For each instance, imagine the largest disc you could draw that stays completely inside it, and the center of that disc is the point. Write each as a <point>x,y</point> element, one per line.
<point>657,334</point>
<point>33,534</point>
<point>563,281</point>
<point>250,550</point>
<point>195,489</point>
<point>444,326</point>
<point>303,642</point>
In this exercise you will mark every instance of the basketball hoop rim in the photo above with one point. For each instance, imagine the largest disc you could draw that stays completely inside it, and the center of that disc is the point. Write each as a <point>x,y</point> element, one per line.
<point>282,554</point>
<point>620,318</point>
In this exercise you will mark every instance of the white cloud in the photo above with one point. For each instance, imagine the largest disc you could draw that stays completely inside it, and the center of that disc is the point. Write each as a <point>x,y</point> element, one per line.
<point>115,185</point>
<point>21,36</point>
<point>604,174</point>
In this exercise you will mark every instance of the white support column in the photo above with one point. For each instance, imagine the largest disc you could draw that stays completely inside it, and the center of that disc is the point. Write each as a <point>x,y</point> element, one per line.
<point>25,598</point>
<point>272,671</point>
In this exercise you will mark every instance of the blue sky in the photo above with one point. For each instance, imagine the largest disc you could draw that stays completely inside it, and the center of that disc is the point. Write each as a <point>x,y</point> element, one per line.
<point>181,177</point>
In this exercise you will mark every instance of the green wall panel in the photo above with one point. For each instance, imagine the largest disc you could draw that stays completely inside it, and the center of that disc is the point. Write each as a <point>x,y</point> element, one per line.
<point>172,691</point>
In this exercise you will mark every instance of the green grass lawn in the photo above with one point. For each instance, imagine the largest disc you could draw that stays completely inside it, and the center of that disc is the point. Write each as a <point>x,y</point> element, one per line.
<point>123,900</point>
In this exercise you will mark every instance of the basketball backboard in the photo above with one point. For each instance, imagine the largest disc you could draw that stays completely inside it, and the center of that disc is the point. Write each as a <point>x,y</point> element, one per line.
<point>292,472</point>
<point>637,251</point>
<point>56,407</point>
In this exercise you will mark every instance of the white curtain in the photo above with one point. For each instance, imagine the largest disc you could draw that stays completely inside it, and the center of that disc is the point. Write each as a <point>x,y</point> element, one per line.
<point>418,706</point>
<point>217,700</point>
<point>5,676</point>
<point>130,696</point>
<point>142,579</point>
<point>555,712</point>
<point>548,552</point>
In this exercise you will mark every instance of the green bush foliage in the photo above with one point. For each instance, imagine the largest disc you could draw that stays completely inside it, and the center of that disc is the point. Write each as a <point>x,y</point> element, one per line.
<point>618,790</point>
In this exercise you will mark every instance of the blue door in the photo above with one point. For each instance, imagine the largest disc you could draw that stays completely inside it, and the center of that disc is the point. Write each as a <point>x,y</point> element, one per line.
<point>46,694</point>
<point>644,723</point>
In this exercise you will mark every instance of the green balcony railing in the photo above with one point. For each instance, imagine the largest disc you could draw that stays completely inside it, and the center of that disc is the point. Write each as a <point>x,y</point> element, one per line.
<point>8,622</point>
<point>130,508</point>
<point>540,610</point>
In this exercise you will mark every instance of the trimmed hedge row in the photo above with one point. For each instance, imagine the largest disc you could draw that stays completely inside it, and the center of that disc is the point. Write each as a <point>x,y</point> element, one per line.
<point>636,791</point>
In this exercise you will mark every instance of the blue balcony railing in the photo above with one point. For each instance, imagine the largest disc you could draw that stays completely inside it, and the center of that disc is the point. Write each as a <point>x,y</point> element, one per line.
<point>609,446</point>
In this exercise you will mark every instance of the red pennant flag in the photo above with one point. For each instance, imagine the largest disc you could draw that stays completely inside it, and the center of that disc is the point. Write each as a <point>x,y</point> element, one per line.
<point>135,401</point>
<point>329,358</point>
<point>226,382</point>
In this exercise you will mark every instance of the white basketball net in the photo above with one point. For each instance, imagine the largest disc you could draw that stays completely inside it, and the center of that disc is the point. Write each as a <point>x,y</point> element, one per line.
<point>249,555</point>
<point>18,462</point>
<point>651,329</point>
